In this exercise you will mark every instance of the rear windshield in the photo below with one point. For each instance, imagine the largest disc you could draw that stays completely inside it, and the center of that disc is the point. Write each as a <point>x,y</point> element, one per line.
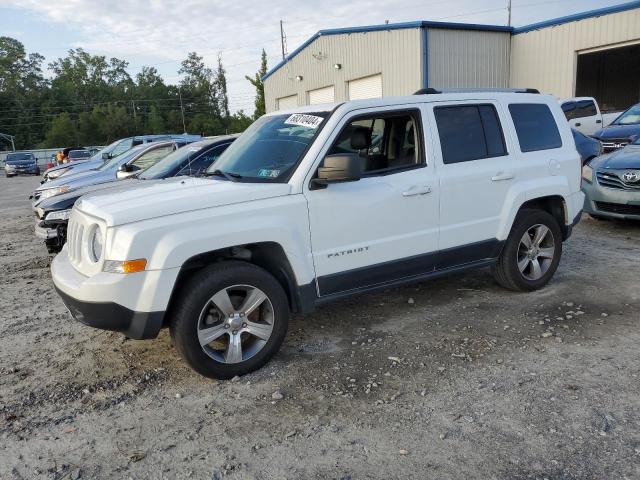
<point>79,154</point>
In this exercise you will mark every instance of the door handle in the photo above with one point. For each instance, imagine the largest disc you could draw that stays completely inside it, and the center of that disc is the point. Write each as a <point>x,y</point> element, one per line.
<point>578,124</point>
<point>598,121</point>
<point>422,190</point>
<point>501,176</point>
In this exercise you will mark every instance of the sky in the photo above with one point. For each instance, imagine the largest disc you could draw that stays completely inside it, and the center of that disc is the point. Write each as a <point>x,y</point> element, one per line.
<point>160,33</point>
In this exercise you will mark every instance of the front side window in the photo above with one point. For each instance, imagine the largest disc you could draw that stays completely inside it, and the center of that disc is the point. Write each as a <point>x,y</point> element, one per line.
<point>469,132</point>
<point>270,149</point>
<point>535,126</point>
<point>152,157</point>
<point>382,142</point>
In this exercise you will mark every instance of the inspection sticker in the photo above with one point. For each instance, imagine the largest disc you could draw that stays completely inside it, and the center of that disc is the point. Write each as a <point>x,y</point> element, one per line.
<point>265,172</point>
<point>309,121</point>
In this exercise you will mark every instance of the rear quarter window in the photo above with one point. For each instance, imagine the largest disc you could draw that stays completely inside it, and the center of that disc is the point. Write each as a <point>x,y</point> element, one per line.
<point>535,126</point>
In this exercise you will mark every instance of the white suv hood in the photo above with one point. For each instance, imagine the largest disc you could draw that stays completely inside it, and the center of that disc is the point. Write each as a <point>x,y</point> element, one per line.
<point>172,196</point>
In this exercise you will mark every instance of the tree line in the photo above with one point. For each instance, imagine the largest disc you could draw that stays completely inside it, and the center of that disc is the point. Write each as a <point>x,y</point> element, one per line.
<point>91,100</point>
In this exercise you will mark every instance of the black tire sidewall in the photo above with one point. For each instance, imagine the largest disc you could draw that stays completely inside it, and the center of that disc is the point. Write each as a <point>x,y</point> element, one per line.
<point>524,221</point>
<point>198,290</point>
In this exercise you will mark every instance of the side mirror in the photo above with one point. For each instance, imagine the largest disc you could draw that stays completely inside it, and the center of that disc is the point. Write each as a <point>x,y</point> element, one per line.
<point>106,156</point>
<point>342,167</point>
<point>122,174</point>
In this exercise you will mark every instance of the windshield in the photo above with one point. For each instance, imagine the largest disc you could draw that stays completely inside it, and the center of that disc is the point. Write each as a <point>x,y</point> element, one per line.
<point>107,149</point>
<point>17,157</point>
<point>119,160</point>
<point>629,117</point>
<point>270,148</point>
<point>79,154</point>
<point>172,161</point>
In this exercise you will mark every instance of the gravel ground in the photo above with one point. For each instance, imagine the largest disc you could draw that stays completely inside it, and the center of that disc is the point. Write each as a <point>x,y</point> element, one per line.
<point>450,379</point>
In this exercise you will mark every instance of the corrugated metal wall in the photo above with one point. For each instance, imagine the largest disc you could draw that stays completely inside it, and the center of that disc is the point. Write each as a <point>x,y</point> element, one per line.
<point>394,53</point>
<point>468,58</point>
<point>546,59</point>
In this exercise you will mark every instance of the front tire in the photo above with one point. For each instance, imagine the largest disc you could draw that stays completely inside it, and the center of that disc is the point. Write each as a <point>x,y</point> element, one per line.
<point>229,319</point>
<point>532,252</point>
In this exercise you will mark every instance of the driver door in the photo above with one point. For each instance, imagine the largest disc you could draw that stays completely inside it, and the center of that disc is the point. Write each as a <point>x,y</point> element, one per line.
<point>384,227</point>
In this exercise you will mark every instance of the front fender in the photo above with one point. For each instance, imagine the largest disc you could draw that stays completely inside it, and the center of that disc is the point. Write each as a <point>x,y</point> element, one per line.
<point>168,242</point>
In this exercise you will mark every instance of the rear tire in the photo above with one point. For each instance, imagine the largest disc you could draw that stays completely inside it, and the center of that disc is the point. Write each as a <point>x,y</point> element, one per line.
<point>532,252</point>
<point>229,319</point>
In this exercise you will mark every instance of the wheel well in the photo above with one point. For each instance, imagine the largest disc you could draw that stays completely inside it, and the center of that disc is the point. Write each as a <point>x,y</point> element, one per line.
<point>555,206</point>
<point>267,255</point>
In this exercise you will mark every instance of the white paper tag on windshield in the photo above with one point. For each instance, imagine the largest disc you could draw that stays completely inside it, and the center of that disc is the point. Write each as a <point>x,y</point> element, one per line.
<point>303,120</point>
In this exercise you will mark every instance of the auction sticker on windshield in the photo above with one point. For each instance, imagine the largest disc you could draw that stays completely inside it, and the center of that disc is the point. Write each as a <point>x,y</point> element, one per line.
<point>303,120</point>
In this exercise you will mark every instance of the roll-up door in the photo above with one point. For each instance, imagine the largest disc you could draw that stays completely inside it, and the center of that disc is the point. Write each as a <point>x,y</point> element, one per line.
<point>322,95</point>
<point>367,87</point>
<point>285,103</point>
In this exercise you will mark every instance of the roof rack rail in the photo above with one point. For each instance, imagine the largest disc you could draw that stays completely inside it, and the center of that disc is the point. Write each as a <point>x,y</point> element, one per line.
<point>433,91</point>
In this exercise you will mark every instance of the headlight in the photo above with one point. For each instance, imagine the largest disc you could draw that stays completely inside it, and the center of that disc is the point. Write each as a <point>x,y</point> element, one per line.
<point>587,173</point>
<point>57,173</point>
<point>52,192</point>
<point>95,244</point>
<point>60,215</point>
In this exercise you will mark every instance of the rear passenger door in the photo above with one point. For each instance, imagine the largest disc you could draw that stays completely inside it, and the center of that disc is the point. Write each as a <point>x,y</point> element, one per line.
<point>476,173</point>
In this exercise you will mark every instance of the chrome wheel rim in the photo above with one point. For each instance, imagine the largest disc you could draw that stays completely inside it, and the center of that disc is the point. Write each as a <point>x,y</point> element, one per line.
<point>536,252</point>
<point>235,323</point>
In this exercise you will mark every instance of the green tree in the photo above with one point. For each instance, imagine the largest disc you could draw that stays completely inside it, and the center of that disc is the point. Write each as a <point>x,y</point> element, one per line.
<point>256,81</point>
<point>221,89</point>
<point>22,88</point>
<point>62,132</point>
<point>155,122</point>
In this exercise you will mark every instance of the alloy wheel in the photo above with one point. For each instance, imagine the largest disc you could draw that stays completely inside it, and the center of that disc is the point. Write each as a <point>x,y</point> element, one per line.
<point>536,252</point>
<point>235,323</point>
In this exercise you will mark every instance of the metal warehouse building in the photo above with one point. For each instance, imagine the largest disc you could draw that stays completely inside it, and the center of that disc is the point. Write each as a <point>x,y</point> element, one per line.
<point>595,53</point>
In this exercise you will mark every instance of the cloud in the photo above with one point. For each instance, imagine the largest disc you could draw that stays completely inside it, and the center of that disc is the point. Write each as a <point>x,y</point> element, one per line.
<point>162,32</point>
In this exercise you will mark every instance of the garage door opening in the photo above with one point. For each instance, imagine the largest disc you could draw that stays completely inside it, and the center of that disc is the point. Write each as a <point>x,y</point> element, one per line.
<point>612,76</point>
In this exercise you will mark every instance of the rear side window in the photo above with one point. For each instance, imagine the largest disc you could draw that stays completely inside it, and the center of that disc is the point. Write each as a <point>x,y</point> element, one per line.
<point>585,108</point>
<point>535,126</point>
<point>469,132</point>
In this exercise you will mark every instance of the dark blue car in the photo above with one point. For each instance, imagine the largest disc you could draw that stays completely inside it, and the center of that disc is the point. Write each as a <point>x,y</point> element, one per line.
<point>18,163</point>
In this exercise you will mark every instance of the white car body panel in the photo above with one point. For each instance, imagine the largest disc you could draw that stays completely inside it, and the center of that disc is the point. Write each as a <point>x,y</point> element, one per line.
<point>172,221</point>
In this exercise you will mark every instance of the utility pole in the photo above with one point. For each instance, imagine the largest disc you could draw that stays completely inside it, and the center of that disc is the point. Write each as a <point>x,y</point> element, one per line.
<point>182,110</point>
<point>282,39</point>
<point>509,11</point>
<point>11,138</point>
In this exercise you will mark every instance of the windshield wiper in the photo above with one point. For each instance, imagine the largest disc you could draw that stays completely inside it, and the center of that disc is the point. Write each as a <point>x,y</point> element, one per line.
<point>233,177</point>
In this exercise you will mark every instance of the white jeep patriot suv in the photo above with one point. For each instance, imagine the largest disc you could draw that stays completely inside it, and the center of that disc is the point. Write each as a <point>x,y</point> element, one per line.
<point>322,202</point>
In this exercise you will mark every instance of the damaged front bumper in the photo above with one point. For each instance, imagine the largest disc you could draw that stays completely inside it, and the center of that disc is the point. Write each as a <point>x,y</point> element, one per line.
<point>53,234</point>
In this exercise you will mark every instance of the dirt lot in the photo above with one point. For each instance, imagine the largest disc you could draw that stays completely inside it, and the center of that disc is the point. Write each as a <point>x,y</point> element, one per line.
<point>451,379</point>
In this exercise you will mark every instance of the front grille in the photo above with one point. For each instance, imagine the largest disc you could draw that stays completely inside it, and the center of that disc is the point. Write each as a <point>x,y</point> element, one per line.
<point>74,240</point>
<point>619,208</point>
<point>612,180</point>
<point>612,144</point>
